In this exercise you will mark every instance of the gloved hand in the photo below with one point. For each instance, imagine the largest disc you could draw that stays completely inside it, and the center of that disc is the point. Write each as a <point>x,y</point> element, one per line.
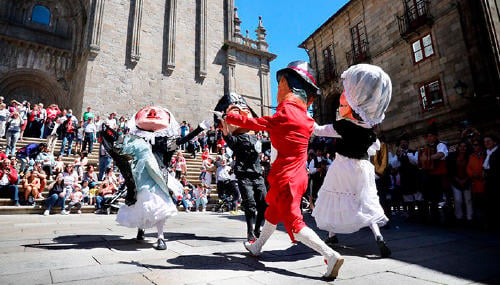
<point>205,124</point>
<point>219,115</point>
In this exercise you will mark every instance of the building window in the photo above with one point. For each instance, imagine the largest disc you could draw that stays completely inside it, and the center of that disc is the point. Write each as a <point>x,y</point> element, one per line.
<point>359,51</point>
<point>431,95</point>
<point>329,62</point>
<point>40,15</point>
<point>422,48</point>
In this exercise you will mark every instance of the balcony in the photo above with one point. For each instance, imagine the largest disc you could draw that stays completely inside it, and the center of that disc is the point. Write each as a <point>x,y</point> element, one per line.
<point>417,14</point>
<point>358,54</point>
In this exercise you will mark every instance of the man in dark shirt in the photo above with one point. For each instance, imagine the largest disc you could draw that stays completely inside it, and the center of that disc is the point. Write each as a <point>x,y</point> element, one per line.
<point>247,167</point>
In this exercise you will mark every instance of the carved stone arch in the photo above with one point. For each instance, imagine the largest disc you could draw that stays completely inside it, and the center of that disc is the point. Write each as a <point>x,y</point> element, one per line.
<point>34,86</point>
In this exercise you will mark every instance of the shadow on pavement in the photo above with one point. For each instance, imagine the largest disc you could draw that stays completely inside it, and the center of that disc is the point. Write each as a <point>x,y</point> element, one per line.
<point>90,242</point>
<point>222,261</point>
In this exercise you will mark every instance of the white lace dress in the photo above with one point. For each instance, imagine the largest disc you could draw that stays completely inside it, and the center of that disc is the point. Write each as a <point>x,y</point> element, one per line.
<point>347,200</point>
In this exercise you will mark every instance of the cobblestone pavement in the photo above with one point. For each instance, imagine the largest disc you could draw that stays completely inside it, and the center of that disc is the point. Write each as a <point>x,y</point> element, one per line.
<point>206,248</point>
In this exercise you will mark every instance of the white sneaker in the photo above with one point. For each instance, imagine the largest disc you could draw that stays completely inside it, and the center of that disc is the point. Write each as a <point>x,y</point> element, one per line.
<point>333,265</point>
<point>79,211</point>
<point>63,212</point>
<point>46,212</point>
<point>204,210</point>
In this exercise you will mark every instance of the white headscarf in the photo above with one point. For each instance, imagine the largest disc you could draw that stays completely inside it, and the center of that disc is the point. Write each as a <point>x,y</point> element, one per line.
<point>368,91</point>
<point>171,131</point>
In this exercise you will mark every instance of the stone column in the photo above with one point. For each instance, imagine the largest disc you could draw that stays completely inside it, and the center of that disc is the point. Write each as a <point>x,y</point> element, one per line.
<point>230,20</point>
<point>264,87</point>
<point>231,65</point>
<point>135,53</point>
<point>95,41</point>
<point>171,35</point>
<point>203,39</point>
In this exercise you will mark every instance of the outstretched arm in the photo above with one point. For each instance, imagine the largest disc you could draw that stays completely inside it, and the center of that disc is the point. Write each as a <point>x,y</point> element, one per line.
<point>188,137</point>
<point>258,124</point>
<point>325,131</point>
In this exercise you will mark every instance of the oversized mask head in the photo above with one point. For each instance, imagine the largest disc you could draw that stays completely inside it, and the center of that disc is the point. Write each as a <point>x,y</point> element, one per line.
<point>152,118</point>
<point>236,104</point>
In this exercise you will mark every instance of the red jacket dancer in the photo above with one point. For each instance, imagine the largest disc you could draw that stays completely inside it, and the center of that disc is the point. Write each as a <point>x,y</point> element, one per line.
<point>290,129</point>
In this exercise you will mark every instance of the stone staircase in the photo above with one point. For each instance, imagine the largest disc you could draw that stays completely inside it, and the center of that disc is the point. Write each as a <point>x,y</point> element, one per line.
<point>6,207</point>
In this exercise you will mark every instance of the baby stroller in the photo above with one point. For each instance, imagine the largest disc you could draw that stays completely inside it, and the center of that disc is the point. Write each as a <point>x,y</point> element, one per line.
<point>228,198</point>
<point>111,204</point>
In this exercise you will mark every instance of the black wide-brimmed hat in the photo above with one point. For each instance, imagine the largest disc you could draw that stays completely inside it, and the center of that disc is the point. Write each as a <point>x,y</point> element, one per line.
<point>302,69</point>
<point>228,100</point>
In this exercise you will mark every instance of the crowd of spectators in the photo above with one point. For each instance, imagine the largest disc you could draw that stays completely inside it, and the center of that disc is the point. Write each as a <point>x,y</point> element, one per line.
<point>432,183</point>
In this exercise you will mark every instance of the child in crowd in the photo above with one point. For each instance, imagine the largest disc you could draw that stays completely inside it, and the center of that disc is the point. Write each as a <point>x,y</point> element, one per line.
<point>201,195</point>
<point>92,195</point>
<point>76,199</point>
<point>187,199</point>
<point>59,166</point>
<point>31,185</point>
<point>85,191</point>
<point>79,139</point>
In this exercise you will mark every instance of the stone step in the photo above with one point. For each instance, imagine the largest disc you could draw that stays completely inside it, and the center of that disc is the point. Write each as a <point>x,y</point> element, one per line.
<point>38,210</point>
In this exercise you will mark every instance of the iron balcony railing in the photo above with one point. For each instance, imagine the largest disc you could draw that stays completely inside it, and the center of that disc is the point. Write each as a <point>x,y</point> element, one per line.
<point>415,16</point>
<point>358,54</point>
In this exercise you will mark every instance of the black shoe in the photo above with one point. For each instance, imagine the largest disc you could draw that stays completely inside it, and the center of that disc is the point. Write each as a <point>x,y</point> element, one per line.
<point>331,240</point>
<point>251,236</point>
<point>140,234</point>
<point>256,233</point>
<point>384,250</point>
<point>161,244</point>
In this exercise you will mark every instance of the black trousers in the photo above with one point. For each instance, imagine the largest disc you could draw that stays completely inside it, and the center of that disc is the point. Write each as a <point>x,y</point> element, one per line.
<point>253,193</point>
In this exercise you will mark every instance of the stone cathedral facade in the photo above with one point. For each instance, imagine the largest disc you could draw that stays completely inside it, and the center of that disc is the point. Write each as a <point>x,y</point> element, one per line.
<point>120,55</point>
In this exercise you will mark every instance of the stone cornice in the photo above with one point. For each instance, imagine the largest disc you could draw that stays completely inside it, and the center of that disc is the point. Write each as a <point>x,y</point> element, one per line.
<point>243,48</point>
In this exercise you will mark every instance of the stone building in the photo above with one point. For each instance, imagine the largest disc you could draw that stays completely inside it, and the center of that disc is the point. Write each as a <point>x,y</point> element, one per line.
<point>442,56</point>
<point>120,55</point>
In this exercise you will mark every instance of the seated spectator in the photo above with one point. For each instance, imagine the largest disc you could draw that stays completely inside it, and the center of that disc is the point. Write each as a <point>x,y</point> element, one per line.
<point>59,165</point>
<point>90,176</point>
<point>205,154</point>
<point>40,174</point>
<point>2,154</point>
<point>76,200</point>
<point>112,179</point>
<point>105,192</point>
<point>47,161</point>
<point>31,185</point>
<point>70,179</point>
<point>57,196</point>
<point>85,192</point>
<point>8,182</point>
<point>201,196</point>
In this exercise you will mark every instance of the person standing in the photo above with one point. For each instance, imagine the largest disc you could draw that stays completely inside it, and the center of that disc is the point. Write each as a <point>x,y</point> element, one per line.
<point>4,117</point>
<point>13,133</point>
<point>476,174</point>
<point>432,161</point>
<point>491,168</point>
<point>290,129</point>
<point>104,161</point>
<point>68,133</point>
<point>90,130</point>
<point>460,182</point>
<point>247,166</point>
<point>42,119</point>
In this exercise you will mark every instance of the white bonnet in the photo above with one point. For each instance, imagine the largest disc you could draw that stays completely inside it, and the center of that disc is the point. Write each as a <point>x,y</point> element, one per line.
<point>368,91</point>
